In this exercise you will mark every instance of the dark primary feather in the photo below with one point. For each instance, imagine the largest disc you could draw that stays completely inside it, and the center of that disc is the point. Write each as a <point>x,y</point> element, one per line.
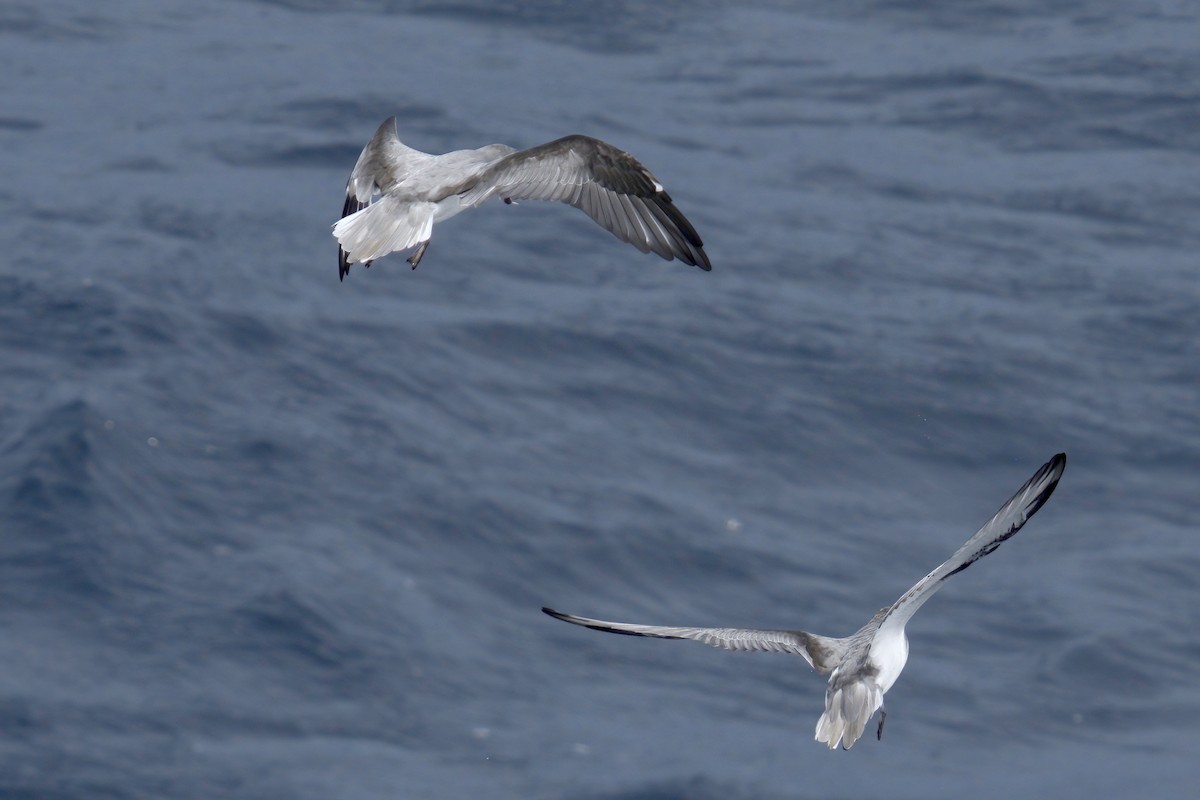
<point>1003,525</point>
<point>351,206</point>
<point>597,627</point>
<point>617,191</point>
<point>1057,463</point>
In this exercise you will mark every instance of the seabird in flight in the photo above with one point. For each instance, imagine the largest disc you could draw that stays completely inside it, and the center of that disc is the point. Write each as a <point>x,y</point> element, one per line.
<point>861,667</point>
<point>396,194</point>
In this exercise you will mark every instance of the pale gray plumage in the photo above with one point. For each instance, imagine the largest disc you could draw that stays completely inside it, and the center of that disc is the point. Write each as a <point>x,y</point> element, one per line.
<point>863,666</point>
<point>395,194</point>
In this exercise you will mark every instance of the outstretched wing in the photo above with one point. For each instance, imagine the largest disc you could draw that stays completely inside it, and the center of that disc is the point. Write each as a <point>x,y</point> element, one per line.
<point>609,185</point>
<point>821,652</point>
<point>383,163</point>
<point>1007,521</point>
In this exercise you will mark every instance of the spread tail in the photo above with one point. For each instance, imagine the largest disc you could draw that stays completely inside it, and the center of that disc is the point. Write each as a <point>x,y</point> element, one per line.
<point>382,228</point>
<point>848,709</point>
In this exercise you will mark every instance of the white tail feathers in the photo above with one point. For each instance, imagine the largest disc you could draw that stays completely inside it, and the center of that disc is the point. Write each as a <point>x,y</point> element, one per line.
<point>384,227</point>
<point>848,709</point>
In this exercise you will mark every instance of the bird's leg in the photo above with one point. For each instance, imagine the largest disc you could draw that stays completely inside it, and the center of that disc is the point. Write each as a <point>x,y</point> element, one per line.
<point>508,201</point>
<point>882,717</point>
<point>415,258</point>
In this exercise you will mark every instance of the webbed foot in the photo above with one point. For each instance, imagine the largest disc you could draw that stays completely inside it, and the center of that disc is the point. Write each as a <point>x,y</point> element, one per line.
<point>415,258</point>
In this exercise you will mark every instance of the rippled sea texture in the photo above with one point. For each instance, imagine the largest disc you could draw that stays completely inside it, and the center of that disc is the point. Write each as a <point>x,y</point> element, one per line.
<point>265,535</point>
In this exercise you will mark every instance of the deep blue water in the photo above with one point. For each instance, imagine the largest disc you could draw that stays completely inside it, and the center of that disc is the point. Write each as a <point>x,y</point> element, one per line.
<point>265,535</point>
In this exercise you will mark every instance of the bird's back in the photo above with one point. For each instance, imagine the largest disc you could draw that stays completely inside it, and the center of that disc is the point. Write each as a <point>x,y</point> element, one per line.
<point>451,173</point>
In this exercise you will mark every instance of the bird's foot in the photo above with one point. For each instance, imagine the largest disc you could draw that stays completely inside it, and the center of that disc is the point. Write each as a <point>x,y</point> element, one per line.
<point>415,258</point>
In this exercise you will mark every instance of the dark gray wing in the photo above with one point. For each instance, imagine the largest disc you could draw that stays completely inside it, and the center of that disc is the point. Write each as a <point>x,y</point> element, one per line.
<point>1006,522</point>
<point>609,185</point>
<point>821,652</point>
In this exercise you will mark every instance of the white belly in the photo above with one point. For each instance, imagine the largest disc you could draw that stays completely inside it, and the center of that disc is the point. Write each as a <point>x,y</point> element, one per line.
<point>889,653</point>
<point>448,207</point>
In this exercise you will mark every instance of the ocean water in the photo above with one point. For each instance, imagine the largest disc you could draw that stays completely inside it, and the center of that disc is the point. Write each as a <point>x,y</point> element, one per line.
<point>265,535</point>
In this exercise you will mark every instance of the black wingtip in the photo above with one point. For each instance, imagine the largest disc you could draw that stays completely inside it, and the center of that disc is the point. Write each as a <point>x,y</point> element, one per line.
<point>1054,466</point>
<point>1058,464</point>
<point>689,247</point>
<point>351,206</point>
